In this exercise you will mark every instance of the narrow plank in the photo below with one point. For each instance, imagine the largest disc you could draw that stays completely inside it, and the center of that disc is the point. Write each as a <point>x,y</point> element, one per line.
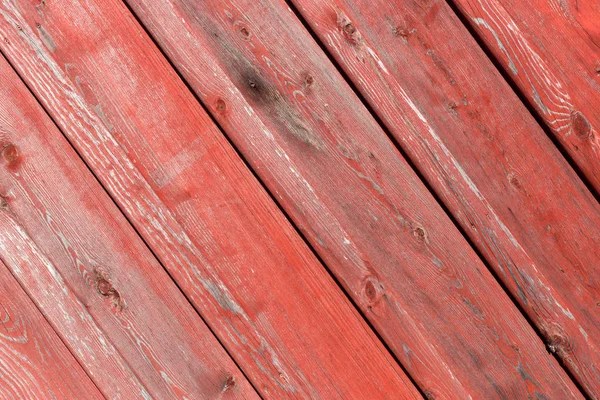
<point>551,50</point>
<point>34,363</point>
<point>516,197</point>
<point>345,185</point>
<point>90,273</point>
<point>195,203</point>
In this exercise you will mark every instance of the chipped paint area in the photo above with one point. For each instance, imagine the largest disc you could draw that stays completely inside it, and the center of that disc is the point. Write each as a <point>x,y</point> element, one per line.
<point>511,64</point>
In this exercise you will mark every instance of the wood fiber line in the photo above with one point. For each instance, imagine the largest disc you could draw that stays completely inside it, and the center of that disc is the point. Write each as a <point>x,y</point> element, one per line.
<point>551,50</point>
<point>198,207</point>
<point>91,275</point>
<point>503,180</point>
<point>34,363</point>
<point>340,178</point>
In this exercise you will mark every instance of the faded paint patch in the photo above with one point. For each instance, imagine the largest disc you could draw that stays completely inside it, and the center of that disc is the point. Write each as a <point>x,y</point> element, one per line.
<point>220,293</point>
<point>46,38</point>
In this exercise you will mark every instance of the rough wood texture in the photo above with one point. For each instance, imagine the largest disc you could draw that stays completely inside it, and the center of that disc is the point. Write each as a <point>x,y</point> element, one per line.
<point>195,203</point>
<point>486,157</point>
<point>340,178</point>
<point>89,272</point>
<point>551,50</point>
<point>34,363</point>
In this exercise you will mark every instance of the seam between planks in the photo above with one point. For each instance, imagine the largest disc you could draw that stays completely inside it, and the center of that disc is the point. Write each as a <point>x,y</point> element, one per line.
<point>43,107</point>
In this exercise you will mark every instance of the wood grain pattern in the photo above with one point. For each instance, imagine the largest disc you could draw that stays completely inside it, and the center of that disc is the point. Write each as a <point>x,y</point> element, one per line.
<point>342,181</point>
<point>551,50</point>
<point>90,273</point>
<point>503,180</point>
<point>195,203</point>
<point>34,363</point>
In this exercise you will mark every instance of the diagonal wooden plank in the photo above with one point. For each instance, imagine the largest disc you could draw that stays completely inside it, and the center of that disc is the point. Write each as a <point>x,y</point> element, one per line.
<point>551,51</point>
<point>89,272</point>
<point>195,203</point>
<point>34,363</point>
<point>515,196</point>
<point>342,181</point>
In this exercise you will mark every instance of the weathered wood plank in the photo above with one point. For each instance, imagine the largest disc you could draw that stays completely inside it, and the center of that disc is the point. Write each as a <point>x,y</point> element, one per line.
<point>195,203</point>
<point>343,182</point>
<point>486,157</point>
<point>34,363</point>
<point>551,50</point>
<point>90,273</point>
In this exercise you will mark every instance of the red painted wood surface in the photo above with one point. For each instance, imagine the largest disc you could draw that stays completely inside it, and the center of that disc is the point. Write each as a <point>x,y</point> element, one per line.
<point>91,275</point>
<point>195,203</point>
<point>485,156</point>
<point>367,214</point>
<point>34,363</point>
<point>551,50</point>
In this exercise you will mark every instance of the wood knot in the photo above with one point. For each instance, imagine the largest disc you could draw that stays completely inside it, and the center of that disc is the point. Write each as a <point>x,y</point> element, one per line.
<point>309,80</point>
<point>560,345</point>
<point>514,181</point>
<point>372,291</point>
<point>12,156</point>
<point>220,106</point>
<point>420,234</point>
<point>403,32</point>
<point>244,32</point>
<point>580,125</point>
<point>349,29</point>
<point>229,383</point>
<point>106,289</point>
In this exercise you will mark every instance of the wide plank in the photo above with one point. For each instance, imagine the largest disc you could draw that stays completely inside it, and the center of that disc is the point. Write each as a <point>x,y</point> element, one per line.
<point>551,51</point>
<point>490,162</point>
<point>354,197</point>
<point>34,363</point>
<point>199,208</point>
<point>89,272</point>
